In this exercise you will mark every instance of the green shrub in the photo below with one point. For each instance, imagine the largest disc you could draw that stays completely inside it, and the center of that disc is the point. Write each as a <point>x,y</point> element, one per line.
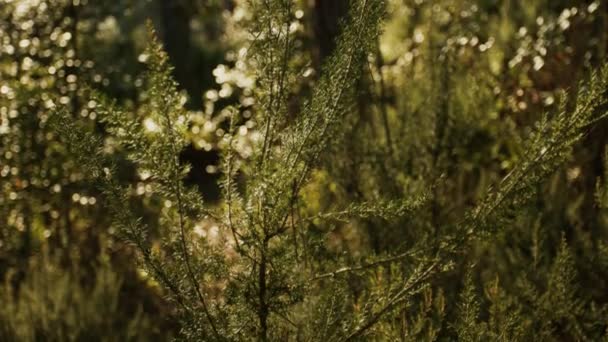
<point>52,302</point>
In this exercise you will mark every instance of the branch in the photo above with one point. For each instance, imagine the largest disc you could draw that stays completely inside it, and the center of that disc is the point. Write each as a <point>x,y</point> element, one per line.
<point>178,194</point>
<point>365,266</point>
<point>398,298</point>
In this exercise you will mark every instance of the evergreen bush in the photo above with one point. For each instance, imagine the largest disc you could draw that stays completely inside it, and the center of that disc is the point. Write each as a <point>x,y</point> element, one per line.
<point>261,265</point>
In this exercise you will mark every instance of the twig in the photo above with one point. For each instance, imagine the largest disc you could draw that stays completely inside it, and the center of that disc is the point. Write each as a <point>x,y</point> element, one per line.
<point>365,266</point>
<point>397,298</point>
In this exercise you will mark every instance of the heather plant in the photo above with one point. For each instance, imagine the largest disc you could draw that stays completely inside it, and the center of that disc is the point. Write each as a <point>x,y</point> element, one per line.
<point>275,260</point>
<point>55,303</point>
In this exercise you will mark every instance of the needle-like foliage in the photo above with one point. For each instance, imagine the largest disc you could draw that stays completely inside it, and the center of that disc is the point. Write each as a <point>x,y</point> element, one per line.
<point>263,274</point>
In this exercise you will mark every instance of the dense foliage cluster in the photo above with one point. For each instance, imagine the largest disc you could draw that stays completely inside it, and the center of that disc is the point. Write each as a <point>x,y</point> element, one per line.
<point>371,170</point>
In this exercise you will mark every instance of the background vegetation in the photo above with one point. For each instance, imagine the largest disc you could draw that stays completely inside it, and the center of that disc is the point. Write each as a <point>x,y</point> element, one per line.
<point>303,170</point>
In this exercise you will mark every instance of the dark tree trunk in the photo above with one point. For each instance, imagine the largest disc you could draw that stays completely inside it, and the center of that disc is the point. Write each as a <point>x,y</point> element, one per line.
<point>177,38</point>
<point>326,20</point>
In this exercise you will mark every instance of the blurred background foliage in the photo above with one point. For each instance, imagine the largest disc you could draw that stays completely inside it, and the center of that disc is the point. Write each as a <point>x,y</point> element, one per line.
<point>450,93</point>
